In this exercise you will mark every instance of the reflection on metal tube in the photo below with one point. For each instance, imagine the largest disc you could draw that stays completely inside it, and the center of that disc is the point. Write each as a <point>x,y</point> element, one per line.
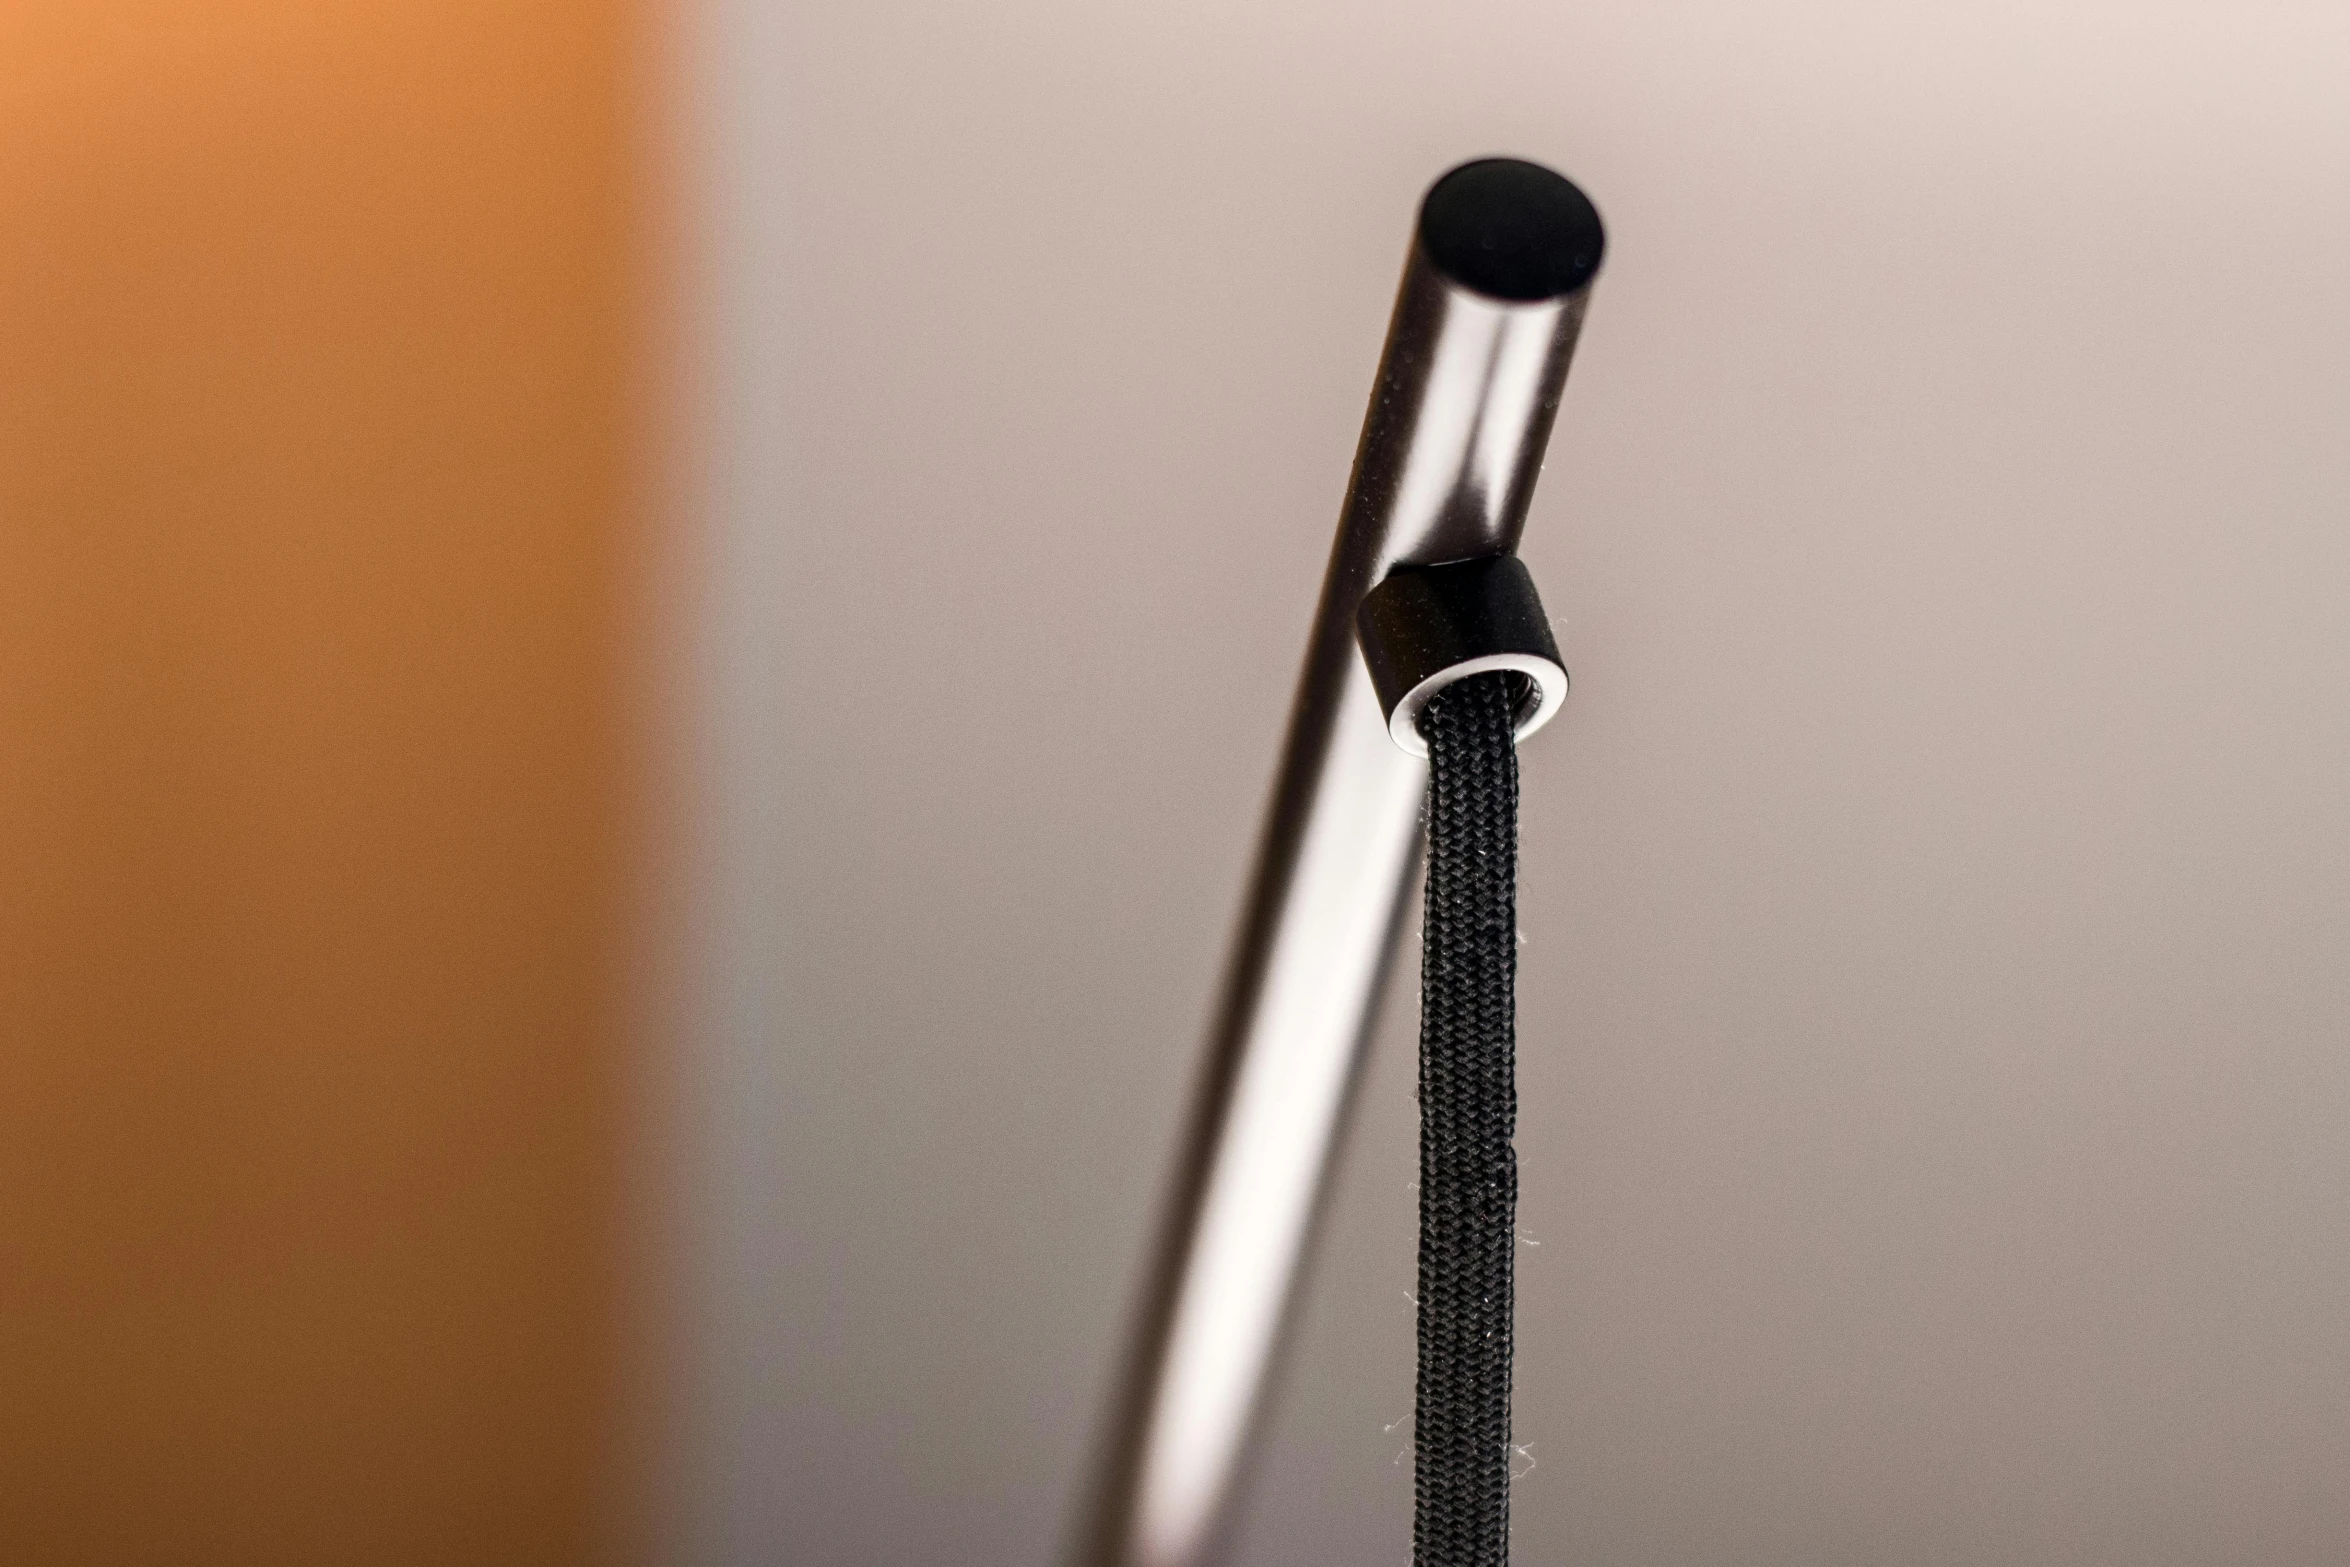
<point>1477,352</point>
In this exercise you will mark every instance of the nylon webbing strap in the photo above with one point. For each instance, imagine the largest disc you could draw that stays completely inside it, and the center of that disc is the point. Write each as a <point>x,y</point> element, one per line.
<point>1468,1113</point>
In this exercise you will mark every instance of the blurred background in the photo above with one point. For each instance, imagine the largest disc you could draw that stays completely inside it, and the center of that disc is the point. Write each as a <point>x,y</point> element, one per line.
<point>643,645</point>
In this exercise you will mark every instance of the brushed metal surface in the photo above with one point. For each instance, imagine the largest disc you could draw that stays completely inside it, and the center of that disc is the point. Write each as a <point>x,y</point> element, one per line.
<point>1460,412</point>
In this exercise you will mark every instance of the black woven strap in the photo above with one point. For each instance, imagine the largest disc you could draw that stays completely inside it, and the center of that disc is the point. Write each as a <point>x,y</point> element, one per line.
<point>1468,1113</point>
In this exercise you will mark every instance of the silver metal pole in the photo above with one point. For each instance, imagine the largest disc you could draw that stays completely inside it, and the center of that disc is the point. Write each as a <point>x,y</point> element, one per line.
<point>1485,322</point>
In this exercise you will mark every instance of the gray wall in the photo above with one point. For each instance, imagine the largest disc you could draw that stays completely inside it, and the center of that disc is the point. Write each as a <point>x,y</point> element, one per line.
<point>1936,1105</point>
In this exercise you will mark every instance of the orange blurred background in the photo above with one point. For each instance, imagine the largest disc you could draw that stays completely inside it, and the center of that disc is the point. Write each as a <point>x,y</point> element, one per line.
<point>316,326</point>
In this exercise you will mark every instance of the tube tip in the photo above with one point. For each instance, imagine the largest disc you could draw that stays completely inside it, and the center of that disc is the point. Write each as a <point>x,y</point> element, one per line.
<point>1511,230</point>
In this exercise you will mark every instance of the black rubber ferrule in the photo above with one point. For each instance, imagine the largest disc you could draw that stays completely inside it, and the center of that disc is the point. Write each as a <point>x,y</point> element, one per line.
<point>1426,626</point>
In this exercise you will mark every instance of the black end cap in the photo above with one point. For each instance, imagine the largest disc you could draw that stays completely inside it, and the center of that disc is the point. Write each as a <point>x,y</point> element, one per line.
<point>1511,230</point>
